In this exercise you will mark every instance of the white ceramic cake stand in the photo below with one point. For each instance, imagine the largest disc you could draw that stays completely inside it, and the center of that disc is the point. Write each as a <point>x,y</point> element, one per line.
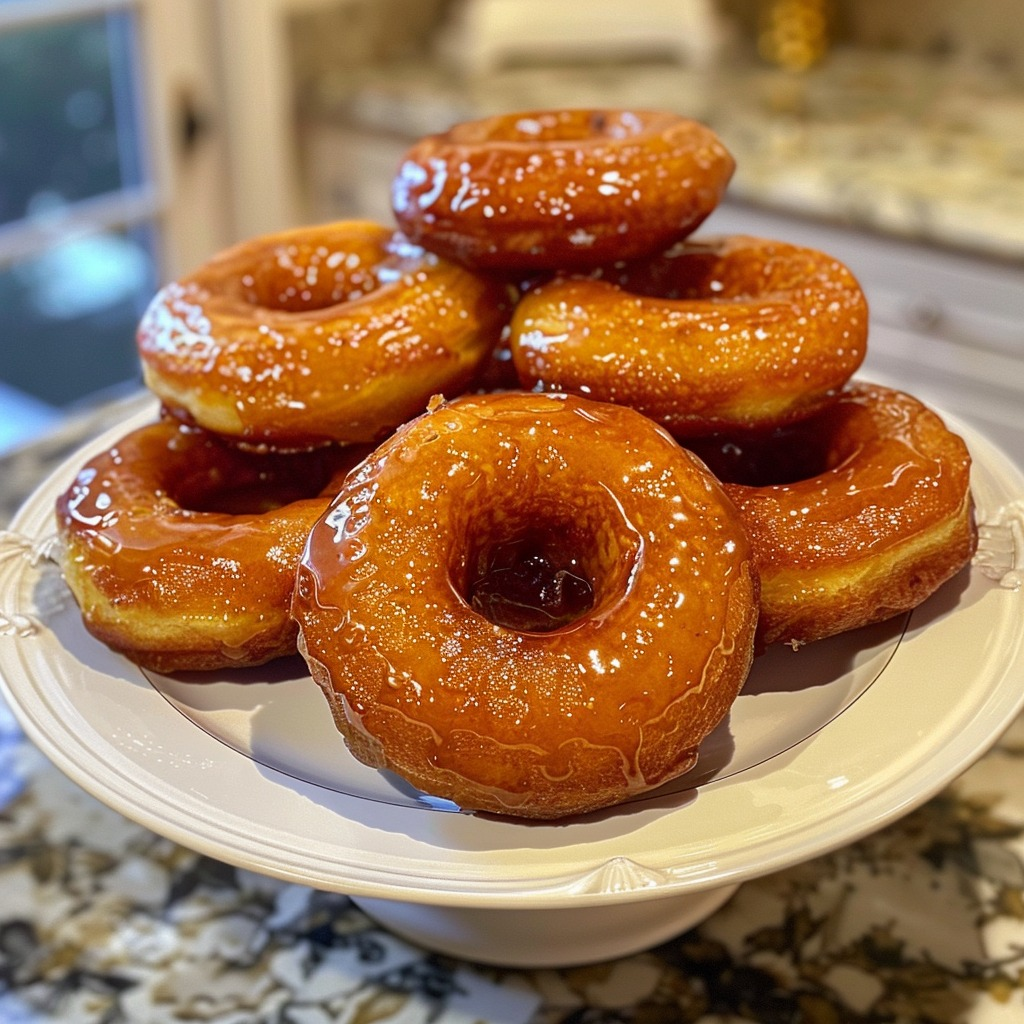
<point>825,745</point>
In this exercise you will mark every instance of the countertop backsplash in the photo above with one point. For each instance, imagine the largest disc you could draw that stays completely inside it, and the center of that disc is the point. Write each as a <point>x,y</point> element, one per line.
<point>911,146</point>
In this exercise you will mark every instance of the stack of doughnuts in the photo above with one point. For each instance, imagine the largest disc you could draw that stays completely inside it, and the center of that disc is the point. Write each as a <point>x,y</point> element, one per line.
<point>278,365</point>
<point>569,466</point>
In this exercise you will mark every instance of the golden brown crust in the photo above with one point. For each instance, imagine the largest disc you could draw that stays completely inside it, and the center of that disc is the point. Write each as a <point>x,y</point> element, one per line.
<point>333,333</point>
<point>181,550</point>
<point>560,189</point>
<point>881,523</point>
<point>726,333</point>
<point>612,701</point>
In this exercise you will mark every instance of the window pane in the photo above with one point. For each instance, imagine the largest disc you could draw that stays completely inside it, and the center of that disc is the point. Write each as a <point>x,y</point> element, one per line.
<point>68,317</point>
<point>68,120</point>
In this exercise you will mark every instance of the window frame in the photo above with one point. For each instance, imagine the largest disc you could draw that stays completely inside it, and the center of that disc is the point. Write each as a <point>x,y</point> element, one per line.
<point>183,196</point>
<point>119,209</point>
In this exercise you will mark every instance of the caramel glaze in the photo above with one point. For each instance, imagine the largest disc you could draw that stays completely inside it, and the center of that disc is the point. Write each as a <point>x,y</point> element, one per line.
<point>560,189</point>
<point>334,333</point>
<point>728,333</point>
<point>181,550</point>
<point>874,520</point>
<point>519,722</point>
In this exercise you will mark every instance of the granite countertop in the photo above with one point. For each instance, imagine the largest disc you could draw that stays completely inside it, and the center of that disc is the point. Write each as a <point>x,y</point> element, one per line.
<point>104,921</point>
<point>917,147</point>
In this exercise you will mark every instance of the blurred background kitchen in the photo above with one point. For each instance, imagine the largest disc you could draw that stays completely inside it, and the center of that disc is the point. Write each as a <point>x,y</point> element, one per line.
<point>137,137</point>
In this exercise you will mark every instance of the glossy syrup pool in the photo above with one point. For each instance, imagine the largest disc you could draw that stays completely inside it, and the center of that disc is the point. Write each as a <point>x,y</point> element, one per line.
<point>528,585</point>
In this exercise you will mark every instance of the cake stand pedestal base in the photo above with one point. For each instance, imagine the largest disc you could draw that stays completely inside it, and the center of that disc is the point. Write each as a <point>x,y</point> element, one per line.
<point>557,937</point>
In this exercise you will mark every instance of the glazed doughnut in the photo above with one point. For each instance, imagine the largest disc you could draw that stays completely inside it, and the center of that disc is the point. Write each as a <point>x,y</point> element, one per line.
<point>729,333</point>
<point>332,333</point>
<point>560,189</point>
<point>181,549</point>
<point>532,605</point>
<point>855,515</point>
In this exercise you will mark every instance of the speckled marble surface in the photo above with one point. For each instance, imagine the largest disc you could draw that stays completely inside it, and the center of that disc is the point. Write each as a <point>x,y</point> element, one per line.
<point>104,921</point>
<point>916,147</point>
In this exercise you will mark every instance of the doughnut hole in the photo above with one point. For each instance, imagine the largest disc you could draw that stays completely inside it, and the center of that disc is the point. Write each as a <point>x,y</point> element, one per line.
<point>787,455</point>
<point>537,569</point>
<point>689,272</point>
<point>555,126</point>
<point>303,275</point>
<point>251,484</point>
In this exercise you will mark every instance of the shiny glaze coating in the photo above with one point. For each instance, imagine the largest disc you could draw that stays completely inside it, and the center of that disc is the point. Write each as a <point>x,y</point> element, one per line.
<point>720,334</point>
<point>337,332</point>
<point>882,520</point>
<point>531,724</point>
<point>181,550</point>
<point>560,189</point>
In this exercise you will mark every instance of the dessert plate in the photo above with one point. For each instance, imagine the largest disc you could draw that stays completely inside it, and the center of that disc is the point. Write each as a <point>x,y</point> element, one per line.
<point>825,744</point>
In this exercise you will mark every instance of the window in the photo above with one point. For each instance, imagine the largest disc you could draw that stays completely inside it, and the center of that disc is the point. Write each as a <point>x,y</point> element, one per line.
<point>119,120</point>
<point>78,207</point>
